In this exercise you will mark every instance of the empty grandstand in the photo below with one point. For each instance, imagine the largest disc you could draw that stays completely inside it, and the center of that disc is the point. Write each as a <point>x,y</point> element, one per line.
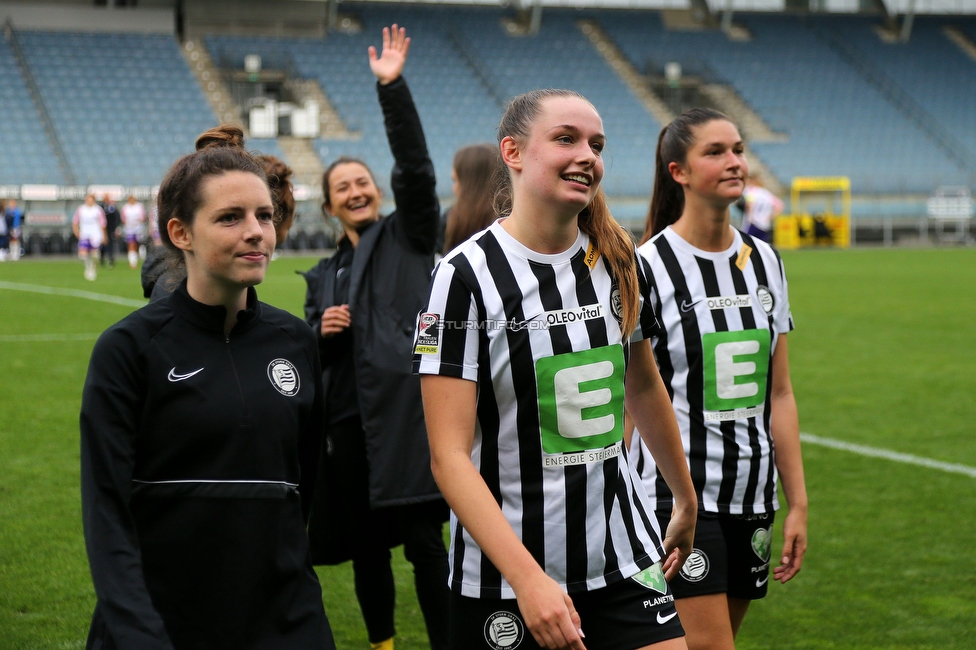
<point>110,97</point>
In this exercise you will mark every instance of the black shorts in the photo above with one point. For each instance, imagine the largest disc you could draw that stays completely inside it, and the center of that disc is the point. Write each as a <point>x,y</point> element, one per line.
<point>627,614</point>
<point>731,556</point>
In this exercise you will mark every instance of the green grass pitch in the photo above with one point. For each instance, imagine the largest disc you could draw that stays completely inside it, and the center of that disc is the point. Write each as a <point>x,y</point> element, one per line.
<point>884,355</point>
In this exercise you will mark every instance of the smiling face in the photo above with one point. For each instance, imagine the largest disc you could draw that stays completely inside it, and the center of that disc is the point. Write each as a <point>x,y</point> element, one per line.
<point>715,168</point>
<point>353,197</point>
<point>561,160</point>
<point>230,241</point>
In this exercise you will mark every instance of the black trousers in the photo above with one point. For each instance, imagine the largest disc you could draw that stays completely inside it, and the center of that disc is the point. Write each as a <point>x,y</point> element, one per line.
<point>108,249</point>
<point>354,530</point>
<point>421,529</point>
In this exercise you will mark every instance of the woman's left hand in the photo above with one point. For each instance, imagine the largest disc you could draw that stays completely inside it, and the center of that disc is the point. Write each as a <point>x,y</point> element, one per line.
<point>388,66</point>
<point>679,539</point>
<point>794,545</point>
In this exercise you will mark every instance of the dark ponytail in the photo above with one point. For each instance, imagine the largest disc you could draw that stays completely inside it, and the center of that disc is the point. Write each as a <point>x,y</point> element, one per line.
<point>282,193</point>
<point>479,170</point>
<point>668,197</point>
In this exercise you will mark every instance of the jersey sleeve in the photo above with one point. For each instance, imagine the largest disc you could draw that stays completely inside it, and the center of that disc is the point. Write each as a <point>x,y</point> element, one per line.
<point>648,325</point>
<point>110,406</point>
<point>448,333</point>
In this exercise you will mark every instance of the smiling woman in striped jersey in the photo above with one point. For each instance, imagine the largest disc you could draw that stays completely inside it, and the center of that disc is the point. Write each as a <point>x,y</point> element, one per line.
<point>722,299</point>
<point>529,332</point>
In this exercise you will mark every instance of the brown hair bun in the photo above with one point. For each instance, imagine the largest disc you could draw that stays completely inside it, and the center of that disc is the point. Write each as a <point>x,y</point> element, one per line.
<point>225,135</point>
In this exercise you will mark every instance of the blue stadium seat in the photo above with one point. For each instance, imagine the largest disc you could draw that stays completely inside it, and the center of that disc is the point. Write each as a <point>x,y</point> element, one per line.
<point>92,86</point>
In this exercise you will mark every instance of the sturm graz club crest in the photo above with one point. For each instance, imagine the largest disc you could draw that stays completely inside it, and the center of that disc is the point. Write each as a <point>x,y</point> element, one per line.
<point>504,631</point>
<point>761,543</point>
<point>284,377</point>
<point>696,567</point>
<point>616,302</point>
<point>765,297</point>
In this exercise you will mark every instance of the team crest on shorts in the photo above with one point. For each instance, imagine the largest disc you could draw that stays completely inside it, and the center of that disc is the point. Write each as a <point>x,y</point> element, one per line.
<point>696,568</point>
<point>284,377</point>
<point>765,297</point>
<point>652,578</point>
<point>761,543</point>
<point>504,630</point>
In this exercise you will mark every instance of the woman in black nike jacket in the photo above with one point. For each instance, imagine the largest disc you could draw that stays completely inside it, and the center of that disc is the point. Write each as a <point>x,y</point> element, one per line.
<point>200,425</point>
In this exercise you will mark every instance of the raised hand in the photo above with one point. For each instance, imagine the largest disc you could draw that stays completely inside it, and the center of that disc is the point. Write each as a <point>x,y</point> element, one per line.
<point>388,66</point>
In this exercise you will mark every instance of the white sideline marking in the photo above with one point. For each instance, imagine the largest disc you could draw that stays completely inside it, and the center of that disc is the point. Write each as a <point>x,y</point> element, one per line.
<point>888,455</point>
<point>74,293</point>
<point>21,338</point>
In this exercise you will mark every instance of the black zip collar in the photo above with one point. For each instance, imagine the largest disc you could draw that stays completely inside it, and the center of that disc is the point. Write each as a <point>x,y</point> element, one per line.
<point>211,317</point>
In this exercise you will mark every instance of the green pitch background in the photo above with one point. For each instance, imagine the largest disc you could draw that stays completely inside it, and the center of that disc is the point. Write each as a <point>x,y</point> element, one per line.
<point>884,355</point>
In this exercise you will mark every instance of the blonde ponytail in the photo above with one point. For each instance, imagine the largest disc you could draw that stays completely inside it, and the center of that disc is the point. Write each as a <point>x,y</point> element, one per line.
<point>617,249</point>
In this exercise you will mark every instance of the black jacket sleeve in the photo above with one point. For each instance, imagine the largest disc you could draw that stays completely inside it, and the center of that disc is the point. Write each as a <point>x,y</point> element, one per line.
<point>413,180</point>
<point>329,348</point>
<point>110,408</point>
<point>313,310</point>
<point>310,440</point>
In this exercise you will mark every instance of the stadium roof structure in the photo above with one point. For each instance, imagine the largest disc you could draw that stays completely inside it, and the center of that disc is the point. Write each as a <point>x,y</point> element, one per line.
<point>891,7</point>
<point>820,87</point>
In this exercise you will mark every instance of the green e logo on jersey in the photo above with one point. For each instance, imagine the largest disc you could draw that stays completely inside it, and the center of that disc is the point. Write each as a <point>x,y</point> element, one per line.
<point>735,367</point>
<point>581,399</point>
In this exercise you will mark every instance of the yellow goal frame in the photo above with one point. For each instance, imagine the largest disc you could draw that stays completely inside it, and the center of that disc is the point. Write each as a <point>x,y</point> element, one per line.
<point>799,228</point>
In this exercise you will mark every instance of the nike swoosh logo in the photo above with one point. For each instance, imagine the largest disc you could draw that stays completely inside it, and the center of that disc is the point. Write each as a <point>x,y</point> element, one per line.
<point>175,377</point>
<point>761,581</point>
<point>687,307</point>
<point>664,619</point>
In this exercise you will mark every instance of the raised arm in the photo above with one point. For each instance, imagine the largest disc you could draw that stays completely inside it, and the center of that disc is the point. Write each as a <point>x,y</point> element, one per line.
<point>413,180</point>
<point>110,408</point>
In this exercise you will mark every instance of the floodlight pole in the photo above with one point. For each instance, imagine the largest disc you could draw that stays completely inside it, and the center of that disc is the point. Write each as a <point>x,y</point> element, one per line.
<point>727,17</point>
<point>906,25</point>
<point>331,15</point>
<point>535,17</point>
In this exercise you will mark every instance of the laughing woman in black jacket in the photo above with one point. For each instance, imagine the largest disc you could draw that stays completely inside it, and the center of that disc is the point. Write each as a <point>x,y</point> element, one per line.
<point>200,426</point>
<point>363,304</point>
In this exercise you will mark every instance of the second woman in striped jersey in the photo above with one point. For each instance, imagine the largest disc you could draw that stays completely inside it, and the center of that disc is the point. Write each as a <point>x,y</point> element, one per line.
<point>523,348</point>
<point>722,299</point>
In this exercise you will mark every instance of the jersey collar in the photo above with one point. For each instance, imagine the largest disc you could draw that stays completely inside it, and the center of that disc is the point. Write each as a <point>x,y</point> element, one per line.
<point>211,317</point>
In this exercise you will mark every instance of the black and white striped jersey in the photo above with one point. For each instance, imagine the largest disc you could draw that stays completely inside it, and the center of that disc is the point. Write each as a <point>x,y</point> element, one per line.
<point>722,314</point>
<point>540,335</point>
